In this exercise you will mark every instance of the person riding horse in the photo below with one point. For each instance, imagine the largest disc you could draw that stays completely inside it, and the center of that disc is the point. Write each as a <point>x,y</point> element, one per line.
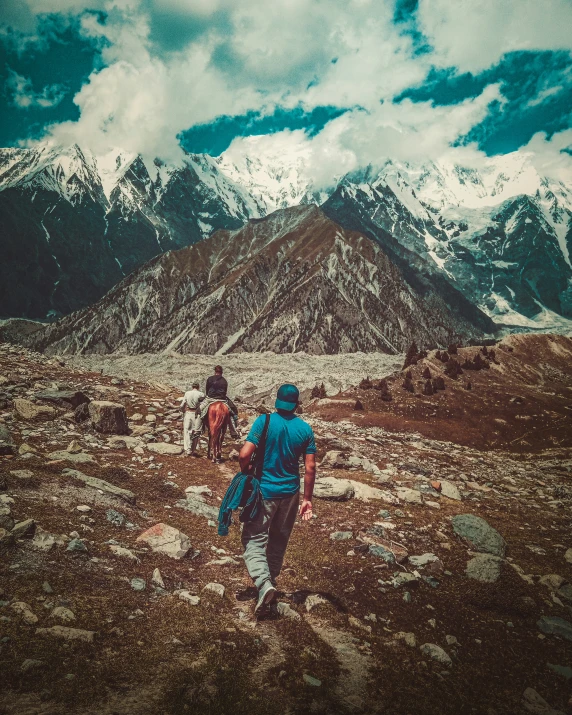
<point>216,390</point>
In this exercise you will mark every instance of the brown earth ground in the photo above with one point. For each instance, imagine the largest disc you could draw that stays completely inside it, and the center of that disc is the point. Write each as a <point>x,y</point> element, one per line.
<point>155,653</point>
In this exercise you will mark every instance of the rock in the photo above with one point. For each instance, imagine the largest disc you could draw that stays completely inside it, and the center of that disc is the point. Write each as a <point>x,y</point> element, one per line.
<point>562,670</point>
<point>451,640</point>
<point>124,442</point>
<point>70,399</point>
<point>479,534</point>
<point>165,539</point>
<point>345,460</point>
<point>28,410</point>
<point>46,588</point>
<point>334,489</point>
<point>138,584</point>
<point>123,553</point>
<point>341,535</point>
<point>382,552</point>
<point>74,447</point>
<point>314,600</point>
<point>485,568</point>
<point>408,638</point>
<point>410,496</point>
<point>76,545</point>
<point>157,579</point>
<point>96,483</point>
<point>66,633</point>
<point>217,588</point>
<point>356,623</point>
<point>197,506</point>
<point>449,490</point>
<point>24,529</point>
<point>164,448</point>
<point>43,540</point>
<point>404,579</point>
<point>83,508</point>
<point>151,419</point>
<point>75,458</point>
<point>136,417</point>
<point>555,626</point>
<point>30,664</point>
<point>81,413</point>
<point>25,612</point>
<point>6,538</point>
<point>108,417</point>
<point>22,474</point>
<point>427,564</point>
<point>364,492</point>
<point>24,449</point>
<point>436,653</point>
<point>7,444</point>
<point>552,581</point>
<point>567,555</point>
<point>188,597</point>
<point>284,609</point>
<point>199,491</point>
<point>534,703</point>
<point>64,614</point>
<point>115,517</point>
<point>310,680</point>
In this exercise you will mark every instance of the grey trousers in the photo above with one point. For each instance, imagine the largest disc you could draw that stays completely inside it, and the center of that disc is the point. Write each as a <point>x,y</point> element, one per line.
<point>265,539</point>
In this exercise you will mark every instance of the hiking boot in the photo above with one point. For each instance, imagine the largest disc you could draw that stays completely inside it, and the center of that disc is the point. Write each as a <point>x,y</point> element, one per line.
<point>266,595</point>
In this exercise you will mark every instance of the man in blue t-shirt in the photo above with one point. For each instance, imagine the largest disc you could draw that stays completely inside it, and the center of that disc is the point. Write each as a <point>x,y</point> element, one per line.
<point>265,539</point>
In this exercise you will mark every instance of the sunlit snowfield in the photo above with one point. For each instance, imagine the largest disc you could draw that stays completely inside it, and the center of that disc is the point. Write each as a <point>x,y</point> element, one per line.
<point>249,374</point>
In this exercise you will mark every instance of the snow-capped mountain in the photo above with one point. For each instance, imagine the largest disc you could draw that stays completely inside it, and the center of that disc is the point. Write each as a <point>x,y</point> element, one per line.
<point>72,225</point>
<point>292,281</point>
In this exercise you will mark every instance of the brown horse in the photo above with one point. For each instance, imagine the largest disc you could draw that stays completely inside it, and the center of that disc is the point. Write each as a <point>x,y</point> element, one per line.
<point>218,419</point>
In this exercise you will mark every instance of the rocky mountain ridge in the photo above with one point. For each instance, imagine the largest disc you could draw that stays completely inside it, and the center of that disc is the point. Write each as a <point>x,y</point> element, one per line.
<point>293,281</point>
<point>73,225</point>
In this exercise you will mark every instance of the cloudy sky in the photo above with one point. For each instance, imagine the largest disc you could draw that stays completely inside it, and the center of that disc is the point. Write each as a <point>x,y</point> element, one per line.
<point>348,82</point>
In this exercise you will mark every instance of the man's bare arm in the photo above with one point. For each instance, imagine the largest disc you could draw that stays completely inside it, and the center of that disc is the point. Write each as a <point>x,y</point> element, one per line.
<point>245,454</point>
<point>309,479</point>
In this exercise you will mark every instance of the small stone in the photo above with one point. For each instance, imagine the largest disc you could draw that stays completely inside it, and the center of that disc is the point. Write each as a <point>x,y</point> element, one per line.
<point>138,584</point>
<point>23,474</point>
<point>568,556</point>
<point>405,579</point>
<point>341,535</point>
<point>46,588</point>
<point>157,579</point>
<point>188,597</point>
<point>217,588</point>
<point>410,496</point>
<point>122,552</point>
<point>314,600</point>
<point>76,545</point>
<point>164,448</point>
<point>310,680</point>
<point>115,517</point>
<point>24,529</point>
<point>553,625</point>
<point>408,638</point>
<point>484,568</point>
<point>83,508</point>
<point>25,612</point>
<point>407,597</point>
<point>284,609</point>
<point>562,670</point>
<point>449,490</point>
<point>427,564</point>
<point>436,653</point>
<point>68,634</point>
<point>25,448</point>
<point>31,664</point>
<point>74,447</point>
<point>451,640</point>
<point>63,614</point>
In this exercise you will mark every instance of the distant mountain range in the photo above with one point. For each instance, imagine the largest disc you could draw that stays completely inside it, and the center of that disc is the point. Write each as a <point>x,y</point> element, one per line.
<point>495,242</point>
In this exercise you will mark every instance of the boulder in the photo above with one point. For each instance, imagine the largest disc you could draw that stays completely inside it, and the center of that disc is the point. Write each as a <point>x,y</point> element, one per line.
<point>555,626</point>
<point>28,410</point>
<point>7,444</point>
<point>96,483</point>
<point>410,496</point>
<point>108,417</point>
<point>485,568</point>
<point>70,399</point>
<point>479,534</point>
<point>165,539</point>
<point>164,448</point>
<point>334,489</point>
<point>437,653</point>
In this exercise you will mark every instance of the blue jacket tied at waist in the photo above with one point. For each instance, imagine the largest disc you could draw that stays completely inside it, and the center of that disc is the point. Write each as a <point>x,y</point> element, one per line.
<point>243,493</point>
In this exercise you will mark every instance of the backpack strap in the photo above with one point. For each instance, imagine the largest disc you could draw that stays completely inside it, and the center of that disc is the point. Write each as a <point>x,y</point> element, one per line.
<point>261,449</point>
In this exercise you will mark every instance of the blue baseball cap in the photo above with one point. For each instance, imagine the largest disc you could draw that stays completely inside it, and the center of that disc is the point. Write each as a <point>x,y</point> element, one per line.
<point>287,397</point>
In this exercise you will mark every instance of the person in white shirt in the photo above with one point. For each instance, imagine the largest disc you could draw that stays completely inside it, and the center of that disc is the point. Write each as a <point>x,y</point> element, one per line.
<point>191,422</point>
